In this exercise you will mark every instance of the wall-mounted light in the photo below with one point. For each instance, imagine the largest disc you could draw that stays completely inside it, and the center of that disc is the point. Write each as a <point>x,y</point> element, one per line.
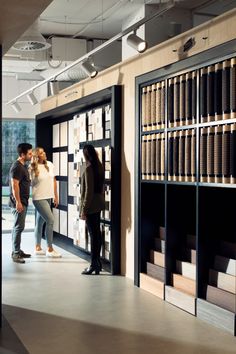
<point>89,69</point>
<point>32,99</point>
<point>137,43</point>
<point>15,105</point>
<point>54,87</point>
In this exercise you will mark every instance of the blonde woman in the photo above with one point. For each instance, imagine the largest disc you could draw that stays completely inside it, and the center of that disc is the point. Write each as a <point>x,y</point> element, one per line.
<point>44,190</point>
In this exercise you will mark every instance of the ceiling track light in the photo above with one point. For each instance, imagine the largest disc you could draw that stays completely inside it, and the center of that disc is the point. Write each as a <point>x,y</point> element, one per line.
<point>89,69</point>
<point>15,105</point>
<point>83,59</point>
<point>32,99</point>
<point>136,42</point>
<point>54,87</point>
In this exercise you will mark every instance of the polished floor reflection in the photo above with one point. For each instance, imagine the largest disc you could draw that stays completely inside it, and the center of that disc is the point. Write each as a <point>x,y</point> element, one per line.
<point>52,308</point>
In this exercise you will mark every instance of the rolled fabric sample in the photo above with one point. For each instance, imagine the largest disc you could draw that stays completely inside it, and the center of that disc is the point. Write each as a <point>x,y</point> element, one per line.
<point>210,155</point>
<point>163,95</point>
<point>203,155</point>
<point>158,106</point>
<point>170,156</point>
<point>194,97</point>
<point>153,106</point>
<point>188,135</point>
<point>233,88</point>
<point>144,146</point>
<point>144,103</point>
<point>226,153</point>
<point>181,154</point>
<point>148,108</point>
<point>162,156</point>
<point>158,156</point>
<point>226,89</point>
<point>148,151</point>
<point>182,100</point>
<point>170,107</point>
<point>218,154</point>
<point>203,95</point>
<point>153,156</point>
<point>176,102</point>
<point>233,153</point>
<point>210,93</point>
<point>188,101</point>
<point>218,91</point>
<point>193,155</point>
<point>176,156</point>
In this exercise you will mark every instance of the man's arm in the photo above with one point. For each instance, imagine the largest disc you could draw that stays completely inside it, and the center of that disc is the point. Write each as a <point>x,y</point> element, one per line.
<point>16,194</point>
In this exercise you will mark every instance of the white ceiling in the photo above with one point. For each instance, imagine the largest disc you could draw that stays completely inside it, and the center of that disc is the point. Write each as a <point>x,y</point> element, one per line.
<point>102,19</point>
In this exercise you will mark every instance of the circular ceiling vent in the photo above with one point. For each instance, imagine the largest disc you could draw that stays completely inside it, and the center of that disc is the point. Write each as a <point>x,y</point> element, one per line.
<point>25,45</point>
<point>32,40</point>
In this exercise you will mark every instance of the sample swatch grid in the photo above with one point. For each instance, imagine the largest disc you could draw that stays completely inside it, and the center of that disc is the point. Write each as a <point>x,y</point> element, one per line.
<point>69,164</point>
<point>170,152</point>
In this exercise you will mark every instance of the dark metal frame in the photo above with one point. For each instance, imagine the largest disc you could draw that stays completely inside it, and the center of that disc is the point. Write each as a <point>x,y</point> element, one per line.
<point>44,122</point>
<point>208,57</point>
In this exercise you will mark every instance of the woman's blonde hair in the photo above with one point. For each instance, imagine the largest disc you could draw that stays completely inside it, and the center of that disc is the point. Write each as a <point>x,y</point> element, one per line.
<point>35,159</point>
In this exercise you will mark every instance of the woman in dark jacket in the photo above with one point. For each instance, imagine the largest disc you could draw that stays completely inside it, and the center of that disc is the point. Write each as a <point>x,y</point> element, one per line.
<point>91,203</point>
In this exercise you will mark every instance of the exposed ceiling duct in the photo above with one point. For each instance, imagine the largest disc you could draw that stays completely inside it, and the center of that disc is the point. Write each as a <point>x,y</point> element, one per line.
<point>32,40</point>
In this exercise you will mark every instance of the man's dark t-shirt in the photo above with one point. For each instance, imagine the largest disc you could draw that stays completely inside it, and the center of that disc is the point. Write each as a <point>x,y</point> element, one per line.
<point>20,172</point>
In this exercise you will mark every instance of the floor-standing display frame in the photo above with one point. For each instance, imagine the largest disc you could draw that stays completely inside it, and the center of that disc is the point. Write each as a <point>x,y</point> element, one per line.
<point>100,114</point>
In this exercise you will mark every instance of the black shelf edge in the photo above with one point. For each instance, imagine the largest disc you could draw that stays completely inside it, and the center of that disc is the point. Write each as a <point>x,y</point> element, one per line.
<point>184,183</point>
<point>217,122</point>
<point>96,143</point>
<point>152,181</point>
<point>182,127</point>
<point>217,185</point>
<point>60,149</point>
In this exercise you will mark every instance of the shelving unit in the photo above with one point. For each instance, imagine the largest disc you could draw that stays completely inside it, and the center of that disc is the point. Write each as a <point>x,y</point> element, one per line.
<point>62,132</point>
<point>185,180</point>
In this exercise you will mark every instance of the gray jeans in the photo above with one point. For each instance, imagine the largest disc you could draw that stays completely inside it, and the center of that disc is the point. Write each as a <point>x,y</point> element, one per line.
<point>18,227</point>
<point>43,215</point>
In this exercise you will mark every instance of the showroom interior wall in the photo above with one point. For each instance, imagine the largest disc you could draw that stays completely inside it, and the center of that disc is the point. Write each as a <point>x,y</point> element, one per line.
<point>207,35</point>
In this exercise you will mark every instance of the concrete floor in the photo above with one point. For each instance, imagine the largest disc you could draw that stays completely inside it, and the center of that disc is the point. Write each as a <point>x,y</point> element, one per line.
<point>53,309</point>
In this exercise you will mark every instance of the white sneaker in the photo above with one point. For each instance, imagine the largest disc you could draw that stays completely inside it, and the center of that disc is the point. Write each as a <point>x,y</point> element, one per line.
<point>39,253</point>
<point>53,254</point>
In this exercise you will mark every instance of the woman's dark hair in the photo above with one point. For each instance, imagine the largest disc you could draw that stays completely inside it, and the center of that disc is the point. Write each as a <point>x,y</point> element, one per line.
<point>91,156</point>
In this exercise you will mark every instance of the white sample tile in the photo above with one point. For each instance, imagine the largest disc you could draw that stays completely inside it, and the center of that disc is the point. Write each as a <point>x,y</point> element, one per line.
<point>63,163</point>
<point>71,143</point>
<point>72,180</point>
<point>63,134</point>
<point>56,220</point>
<point>63,222</point>
<point>72,220</point>
<point>56,163</point>
<point>56,135</point>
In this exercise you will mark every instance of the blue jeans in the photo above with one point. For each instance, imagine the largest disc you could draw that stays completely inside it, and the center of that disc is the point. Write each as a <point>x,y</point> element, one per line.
<point>43,215</point>
<point>18,227</point>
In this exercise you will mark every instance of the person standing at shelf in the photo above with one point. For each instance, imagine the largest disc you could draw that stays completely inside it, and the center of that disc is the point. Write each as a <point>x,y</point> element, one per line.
<point>19,196</point>
<point>92,202</point>
<point>44,191</point>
